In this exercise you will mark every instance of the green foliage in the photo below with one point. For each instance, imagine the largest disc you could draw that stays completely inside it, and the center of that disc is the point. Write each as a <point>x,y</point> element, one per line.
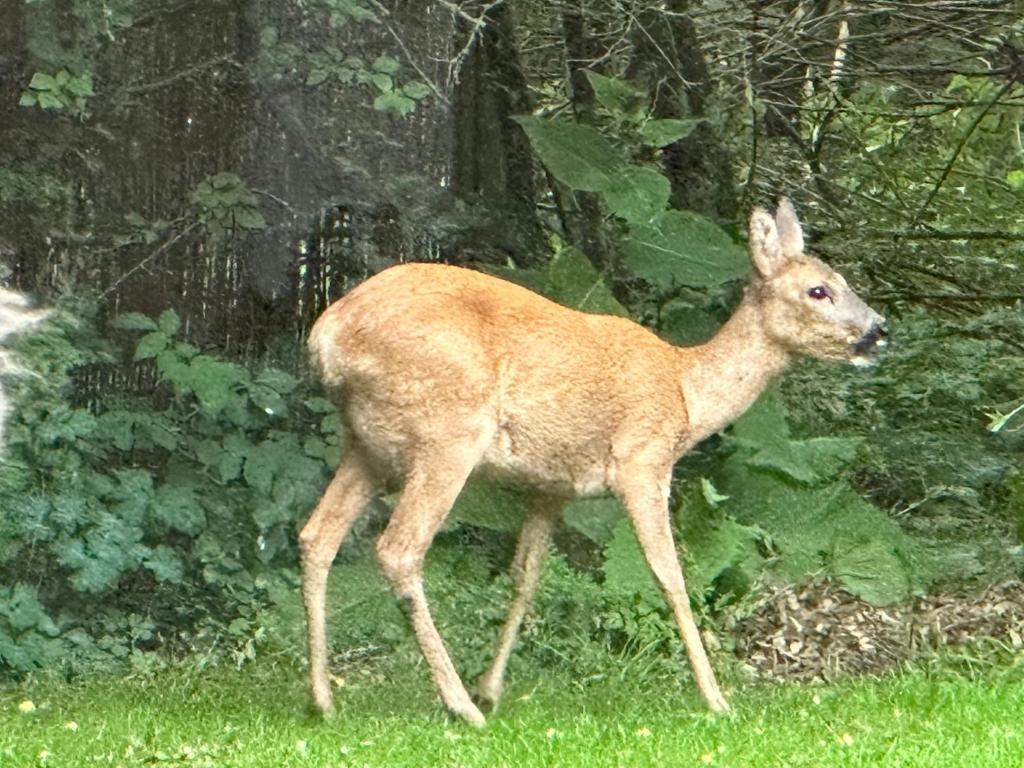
<point>568,278</point>
<point>793,490</point>
<point>61,91</point>
<point>667,248</point>
<point>225,205</point>
<point>329,64</point>
<point>134,508</point>
<point>683,248</point>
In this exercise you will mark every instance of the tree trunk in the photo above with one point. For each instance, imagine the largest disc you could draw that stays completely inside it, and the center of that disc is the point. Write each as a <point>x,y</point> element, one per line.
<point>698,166</point>
<point>492,166</point>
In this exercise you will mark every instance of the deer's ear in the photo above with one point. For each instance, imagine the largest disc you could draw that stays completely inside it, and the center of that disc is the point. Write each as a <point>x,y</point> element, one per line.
<point>791,235</point>
<point>765,245</point>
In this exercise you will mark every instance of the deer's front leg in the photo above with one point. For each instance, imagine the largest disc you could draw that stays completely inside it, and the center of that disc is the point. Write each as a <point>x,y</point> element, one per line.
<point>647,506</point>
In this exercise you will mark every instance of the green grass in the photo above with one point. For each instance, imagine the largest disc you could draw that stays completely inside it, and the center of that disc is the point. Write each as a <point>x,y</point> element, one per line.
<point>260,717</point>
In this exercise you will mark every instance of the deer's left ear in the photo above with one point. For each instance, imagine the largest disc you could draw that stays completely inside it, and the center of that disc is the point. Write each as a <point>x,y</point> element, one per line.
<point>791,235</point>
<point>765,245</point>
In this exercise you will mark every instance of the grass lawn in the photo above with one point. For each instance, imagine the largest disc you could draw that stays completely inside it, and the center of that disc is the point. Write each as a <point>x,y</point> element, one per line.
<point>260,717</point>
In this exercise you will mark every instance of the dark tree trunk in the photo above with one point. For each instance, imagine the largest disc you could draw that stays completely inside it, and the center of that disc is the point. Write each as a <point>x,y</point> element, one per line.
<point>492,166</point>
<point>581,214</point>
<point>699,166</point>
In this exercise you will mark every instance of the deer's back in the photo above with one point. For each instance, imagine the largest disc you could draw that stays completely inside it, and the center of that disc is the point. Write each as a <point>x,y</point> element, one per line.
<point>426,353</point>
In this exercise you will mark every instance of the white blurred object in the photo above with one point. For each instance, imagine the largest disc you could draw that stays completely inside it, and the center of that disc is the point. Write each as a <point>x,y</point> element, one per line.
<point>16,316</point>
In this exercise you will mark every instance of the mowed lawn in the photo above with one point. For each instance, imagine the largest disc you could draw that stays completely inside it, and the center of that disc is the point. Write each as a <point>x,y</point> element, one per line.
<point>260,717</point>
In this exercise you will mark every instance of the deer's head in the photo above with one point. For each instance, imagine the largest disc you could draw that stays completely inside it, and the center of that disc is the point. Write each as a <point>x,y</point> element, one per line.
<point>806,306</point>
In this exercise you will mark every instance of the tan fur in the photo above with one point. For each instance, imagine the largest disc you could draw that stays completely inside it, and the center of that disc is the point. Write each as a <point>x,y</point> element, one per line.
<point>441,371</point>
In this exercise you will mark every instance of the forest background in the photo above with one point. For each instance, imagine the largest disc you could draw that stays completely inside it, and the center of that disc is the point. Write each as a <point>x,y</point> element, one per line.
<point>191,183</point>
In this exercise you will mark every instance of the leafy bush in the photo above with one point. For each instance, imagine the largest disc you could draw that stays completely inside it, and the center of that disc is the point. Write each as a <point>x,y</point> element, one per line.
<point>129,526</point>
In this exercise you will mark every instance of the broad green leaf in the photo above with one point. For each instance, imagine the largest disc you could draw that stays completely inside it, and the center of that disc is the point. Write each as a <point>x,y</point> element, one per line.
<point>135,321</point>
<point>169,322</point>
<point>625,567</point>
<point>1015,179</point>
<point>594,518</point>
<point>683,248</point>
<point>816,460</point>
<point>416,89</point>
<point>872,569</point>
<point>80,85</point>
<point>638,194</point>
<point>279,381</point>
<point>570,279</point>
<point>43,82</point>
<point>178,508</point>
<point>394,102</point>
<point>488,505</point>
<point>386,64</point>
<point>165,564</point>
<point>618,96</point>
<point>49,101</point>
<point>214,382</point>
<point>28,99</point>
<point>249,218</point>
<point>320,405</point>
<point>151,345</point>
<point>660,133</point>
<point>577,155</point>
<point>382,82</point>
<point>317,76</point>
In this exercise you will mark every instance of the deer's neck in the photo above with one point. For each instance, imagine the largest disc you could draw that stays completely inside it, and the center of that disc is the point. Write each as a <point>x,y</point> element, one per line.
<point>723,377</point>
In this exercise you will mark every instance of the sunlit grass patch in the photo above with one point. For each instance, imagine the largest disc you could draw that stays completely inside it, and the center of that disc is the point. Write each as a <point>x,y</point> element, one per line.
<point>260,717</point>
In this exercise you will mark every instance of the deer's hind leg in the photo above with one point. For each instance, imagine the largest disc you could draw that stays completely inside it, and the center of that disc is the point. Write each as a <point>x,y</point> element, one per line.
<point>432,484</point>
<point>345,498</point>
<point>532,548</point>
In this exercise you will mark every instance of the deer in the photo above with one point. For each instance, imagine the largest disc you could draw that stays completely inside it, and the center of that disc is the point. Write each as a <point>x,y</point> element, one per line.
<point>440,371</point>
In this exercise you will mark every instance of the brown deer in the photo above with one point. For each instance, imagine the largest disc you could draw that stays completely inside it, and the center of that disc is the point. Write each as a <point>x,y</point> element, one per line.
<point>440,371</point>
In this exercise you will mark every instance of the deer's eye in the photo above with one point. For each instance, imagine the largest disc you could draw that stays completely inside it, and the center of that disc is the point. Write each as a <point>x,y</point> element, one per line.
<point>818,292</point>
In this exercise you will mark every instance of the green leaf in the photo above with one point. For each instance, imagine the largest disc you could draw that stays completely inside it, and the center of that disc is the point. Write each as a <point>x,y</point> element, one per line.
<point>80,85</point>
<point>28,99</point>
<point>43,82</point>
<point>320,405</point>
<point>711,494</point>
<point>151,345</point>
<point>49,101</point>
<point>488,505</point>
<point>638,194</point>
<point>386,64</point>
<point>249,218</point>
<point>872,569</point>
<point>816,460</point>
<point>135,321</point>
<point>177,507</point>
<point>382,82</point>
<point>570,279</point>
<point>594,518</point>
<point>1015,179</point>
<point>169,322</point>
<point>394,102</point>
<point>577,155</point>
<point>278,380</point>
<point>416,89</point>
<point>317,76</point>
<point>618,96</point>
<point>660,133</point>
<point>683,248</point>
<point>165,564</point>
<point>625,567</point>
<point>214,382</point>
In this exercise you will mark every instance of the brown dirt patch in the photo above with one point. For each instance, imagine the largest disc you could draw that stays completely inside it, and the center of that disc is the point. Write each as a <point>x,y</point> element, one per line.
<point>821,631</point>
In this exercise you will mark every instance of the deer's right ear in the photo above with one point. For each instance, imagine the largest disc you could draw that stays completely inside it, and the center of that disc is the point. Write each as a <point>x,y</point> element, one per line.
<point>765,246</point>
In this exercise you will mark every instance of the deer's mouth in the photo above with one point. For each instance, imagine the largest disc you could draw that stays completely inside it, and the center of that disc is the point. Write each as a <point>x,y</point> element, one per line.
<point>863,351</point>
